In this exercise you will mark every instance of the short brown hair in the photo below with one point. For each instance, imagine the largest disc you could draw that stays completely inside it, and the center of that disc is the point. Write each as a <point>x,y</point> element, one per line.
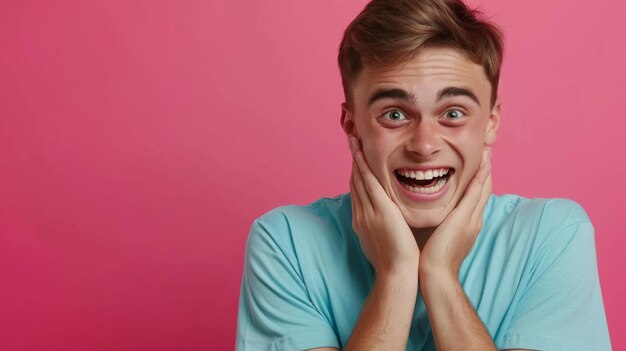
<point>388,32</point>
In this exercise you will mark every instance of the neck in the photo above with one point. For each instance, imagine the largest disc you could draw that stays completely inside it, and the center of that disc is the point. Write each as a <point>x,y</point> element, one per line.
<point>422,235</point>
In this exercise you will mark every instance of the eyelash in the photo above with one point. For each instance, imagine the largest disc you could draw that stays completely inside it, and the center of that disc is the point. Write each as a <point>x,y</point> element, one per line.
<point>455,110</point>
<point>386,114</point>
<point>392,111</point>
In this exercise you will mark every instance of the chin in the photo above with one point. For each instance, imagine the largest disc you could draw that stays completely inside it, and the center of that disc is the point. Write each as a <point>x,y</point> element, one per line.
<point>425,218</point>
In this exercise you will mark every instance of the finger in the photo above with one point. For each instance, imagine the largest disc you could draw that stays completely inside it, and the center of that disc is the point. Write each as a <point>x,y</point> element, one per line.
<point>364,196</point>
<point>360,169</point>
<point>377,193</point>
<point>484,198</point>
<point>485,190</point>
<point>373,186</point>
<point>357,207</point>
<point>353,144</point>
<point>485,166</point>
<point>473,193</point>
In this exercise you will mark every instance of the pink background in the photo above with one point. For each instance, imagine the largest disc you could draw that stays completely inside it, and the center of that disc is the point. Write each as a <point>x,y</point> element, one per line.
<point>139,140</point>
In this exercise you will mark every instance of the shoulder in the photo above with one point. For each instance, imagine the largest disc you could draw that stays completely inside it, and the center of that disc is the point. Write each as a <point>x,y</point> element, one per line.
<point>546,213</point>
<point>297,225</point>
<point>553,266</point>
<point>539,225</point>
<point>556,211</point>
<point>322,207</point>
<point>519,205</point>
<point>316,213</point>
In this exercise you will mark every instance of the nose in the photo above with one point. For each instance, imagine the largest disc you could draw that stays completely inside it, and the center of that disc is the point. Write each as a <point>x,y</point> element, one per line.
<point>426,140</point>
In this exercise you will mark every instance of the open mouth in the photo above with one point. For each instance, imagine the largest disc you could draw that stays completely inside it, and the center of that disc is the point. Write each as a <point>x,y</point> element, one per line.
<point>424,182</point>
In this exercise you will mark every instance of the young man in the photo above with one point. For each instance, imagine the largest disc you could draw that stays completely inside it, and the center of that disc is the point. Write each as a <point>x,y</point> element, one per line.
<point>421,255</point>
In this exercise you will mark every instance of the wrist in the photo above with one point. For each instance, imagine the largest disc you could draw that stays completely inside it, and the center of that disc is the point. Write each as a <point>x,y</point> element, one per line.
<point>398,269</point>
<point>437,278</point>
<point>434,267</point>
<point>393,275</point>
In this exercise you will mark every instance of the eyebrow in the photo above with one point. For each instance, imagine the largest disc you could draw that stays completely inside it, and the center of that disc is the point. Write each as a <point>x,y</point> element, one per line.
<point>401,94</point>
<point>391,93</point>
<point>456,91</point>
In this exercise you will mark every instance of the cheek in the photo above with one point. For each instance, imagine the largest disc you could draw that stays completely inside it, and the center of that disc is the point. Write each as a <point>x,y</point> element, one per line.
<point>471,137</point>
<point>470,146</point>
<point>472,164</point>
<point>375,157</point>
<point>377,150</point>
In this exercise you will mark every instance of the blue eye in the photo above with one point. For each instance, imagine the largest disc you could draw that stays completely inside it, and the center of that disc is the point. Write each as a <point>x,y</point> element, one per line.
<point>454,114</point>
<point>394,115</point>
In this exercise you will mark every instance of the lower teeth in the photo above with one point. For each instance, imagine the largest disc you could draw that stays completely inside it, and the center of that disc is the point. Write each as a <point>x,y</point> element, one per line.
<point>426,190</point>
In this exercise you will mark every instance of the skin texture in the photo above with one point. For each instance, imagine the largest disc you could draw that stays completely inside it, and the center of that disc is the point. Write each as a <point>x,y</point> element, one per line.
<point>428,136</point>
<point>413,243</point>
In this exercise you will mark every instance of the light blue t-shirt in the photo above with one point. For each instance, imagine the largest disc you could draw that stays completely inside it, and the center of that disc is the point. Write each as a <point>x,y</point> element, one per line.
<point>531,277</point>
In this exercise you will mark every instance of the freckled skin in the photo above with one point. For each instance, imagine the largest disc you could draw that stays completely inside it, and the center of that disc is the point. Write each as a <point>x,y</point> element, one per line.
<point>427,136</point>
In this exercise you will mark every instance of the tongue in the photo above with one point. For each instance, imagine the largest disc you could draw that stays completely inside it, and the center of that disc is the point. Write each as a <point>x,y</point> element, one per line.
<point>420,183</point>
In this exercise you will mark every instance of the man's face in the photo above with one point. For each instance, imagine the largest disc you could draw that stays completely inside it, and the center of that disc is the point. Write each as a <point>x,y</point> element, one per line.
<point>428,118</point>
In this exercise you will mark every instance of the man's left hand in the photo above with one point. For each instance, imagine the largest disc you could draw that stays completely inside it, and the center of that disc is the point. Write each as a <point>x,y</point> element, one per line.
<point>450,243</point>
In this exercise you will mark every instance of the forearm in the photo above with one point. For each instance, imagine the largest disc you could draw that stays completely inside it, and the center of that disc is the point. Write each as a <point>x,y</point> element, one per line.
<point>454,322</point>
<point>387,314</point>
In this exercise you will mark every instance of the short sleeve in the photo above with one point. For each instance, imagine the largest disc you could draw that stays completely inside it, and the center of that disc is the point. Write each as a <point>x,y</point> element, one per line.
<point>561,307</point>
<point>275,311</point>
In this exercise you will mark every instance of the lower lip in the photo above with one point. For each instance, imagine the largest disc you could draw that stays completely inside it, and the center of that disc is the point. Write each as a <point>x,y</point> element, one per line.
<point>423,197</point>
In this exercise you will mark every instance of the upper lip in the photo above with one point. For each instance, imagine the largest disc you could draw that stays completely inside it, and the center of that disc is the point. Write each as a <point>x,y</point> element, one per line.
<point>423,168</point>
<point>423,172</point>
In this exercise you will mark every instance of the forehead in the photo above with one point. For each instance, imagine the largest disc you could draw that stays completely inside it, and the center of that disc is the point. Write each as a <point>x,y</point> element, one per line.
<point>424,75</point>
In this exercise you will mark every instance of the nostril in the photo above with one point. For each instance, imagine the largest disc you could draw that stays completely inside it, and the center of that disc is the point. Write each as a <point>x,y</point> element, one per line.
<point>424,146</point>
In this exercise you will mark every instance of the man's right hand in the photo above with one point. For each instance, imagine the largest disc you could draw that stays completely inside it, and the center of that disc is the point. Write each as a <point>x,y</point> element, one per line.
<point>385,237</point>
<point>388,244</point>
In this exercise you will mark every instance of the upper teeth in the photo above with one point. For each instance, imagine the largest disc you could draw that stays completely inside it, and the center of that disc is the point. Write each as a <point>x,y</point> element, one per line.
<point>421,175</point>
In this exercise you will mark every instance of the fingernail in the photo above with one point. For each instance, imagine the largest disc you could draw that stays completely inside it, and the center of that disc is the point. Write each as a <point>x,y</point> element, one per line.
<point>354,143</point>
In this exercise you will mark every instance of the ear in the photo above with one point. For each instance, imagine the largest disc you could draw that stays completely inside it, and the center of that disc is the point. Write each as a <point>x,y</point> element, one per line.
<point>347,121</point>
<point>493,124</point>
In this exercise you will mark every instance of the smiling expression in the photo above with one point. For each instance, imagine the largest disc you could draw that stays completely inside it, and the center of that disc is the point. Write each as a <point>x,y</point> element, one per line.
<point>430,117</point>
